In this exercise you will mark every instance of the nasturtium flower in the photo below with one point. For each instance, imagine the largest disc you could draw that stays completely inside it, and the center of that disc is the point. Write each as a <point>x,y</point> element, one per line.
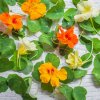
<point>74,61</point>
<point>67,37</point>
<point>34,8</point>
<point>11,21</point>
<point>50,74</point>
<point>25,46</point>
<point>86,11</point>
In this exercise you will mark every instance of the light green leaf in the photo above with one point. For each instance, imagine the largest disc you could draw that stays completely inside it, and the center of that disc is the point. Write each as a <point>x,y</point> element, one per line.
<point>50,57</point>
<point>33,26</point>
<point>97,19</point>
<point>11,2</point>
<point>57,11</point>
<point>79,73</point>
<point>87,59</point>
<point>5,64</point>
<point>3,6</point>
<point>36,74</point>
<point>66,91</point>
<point>70,75</point>
<point>79,92</point>
<point>96,45</point>
<point>96,69</point>
<point>46,42</point>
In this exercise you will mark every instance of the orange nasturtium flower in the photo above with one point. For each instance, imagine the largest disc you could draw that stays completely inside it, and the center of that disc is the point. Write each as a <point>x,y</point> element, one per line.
<point>67,37</point>
<point>11,21</point>
<point>34,8</point>
<point>48,73</point>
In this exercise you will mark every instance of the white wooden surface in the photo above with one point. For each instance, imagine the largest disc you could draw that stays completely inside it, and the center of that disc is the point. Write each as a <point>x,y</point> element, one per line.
<point>87,81</point>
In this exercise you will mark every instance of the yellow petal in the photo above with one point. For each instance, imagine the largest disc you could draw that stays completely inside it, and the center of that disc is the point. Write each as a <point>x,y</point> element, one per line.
<point>45,78</point>
<point>62,74</point>
<point>54,81</point>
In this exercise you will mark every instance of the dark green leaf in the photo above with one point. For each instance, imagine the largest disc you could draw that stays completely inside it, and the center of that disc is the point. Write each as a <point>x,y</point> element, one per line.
<point>79,73</point>
<point>5,64</point>
<point>97,19</point>
<point>3,84</point>
<point>11,2</point>
<point>7,46</point>
<point>47,87</point>
<point>17,84</point>
<point>96,69</point>
<point>75,2</point>
<point>36,74</point>
<point>66,91</point>
<point>79,92</point>
<point>50,57</point>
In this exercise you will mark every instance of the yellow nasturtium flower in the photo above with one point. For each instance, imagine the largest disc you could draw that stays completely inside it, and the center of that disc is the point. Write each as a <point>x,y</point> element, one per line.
<point>86,11</point>
<point>25,46</point>
<point>34,8</point>
<point>48,73</point>
<point>74,61</point>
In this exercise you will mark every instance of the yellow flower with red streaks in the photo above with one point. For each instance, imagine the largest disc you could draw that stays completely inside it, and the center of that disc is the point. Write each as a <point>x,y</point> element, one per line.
<point>50,74</point>
<point>34,8</point>
<point>11,21</point>
<point>67,37</point>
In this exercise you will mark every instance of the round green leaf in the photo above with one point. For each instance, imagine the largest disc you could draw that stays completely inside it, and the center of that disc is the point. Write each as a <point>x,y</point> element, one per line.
<point>36,74</point>
<point>79,92</point>
<point>79,73</point>
<point>97,19</point>
<point>11,2</point>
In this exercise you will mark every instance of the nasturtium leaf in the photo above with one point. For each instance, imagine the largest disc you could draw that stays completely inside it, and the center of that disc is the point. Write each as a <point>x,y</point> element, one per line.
<point>33,26</point>
<point>57,11</point>
<point>46,42</point>
<point>47,87</point>
<point>52,58</point>
<point>45,24</point>
<point>28,68</point>
<point>75,2</point>
<point>11,2</point>
<point>5,64</point>
<point>70,75</point>
<point>79,73</point>
<point>34,55</point>
<point>97,19</point>
<point>17,84</point>
<point>96,69</point>
<point>69,14</point>
<point>36,74</point>
<point>79,92</point>
<point>20,63</point>
<point>66,91</point>
<point>20,1</point>
<point>3,6</point>
<point>87,42</point>
<point>87,26</point>
<point>96,45</point>
<point>7,46</point>
<point>28,97</point>
<point>87,59</point>
<point>3,84</point>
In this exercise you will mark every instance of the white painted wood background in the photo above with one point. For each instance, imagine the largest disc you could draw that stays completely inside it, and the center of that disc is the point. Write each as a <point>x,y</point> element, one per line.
<point>87,81</point>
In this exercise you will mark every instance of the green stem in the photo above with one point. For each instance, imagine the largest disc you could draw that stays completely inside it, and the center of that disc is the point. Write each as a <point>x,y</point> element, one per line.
<point>93,25</point>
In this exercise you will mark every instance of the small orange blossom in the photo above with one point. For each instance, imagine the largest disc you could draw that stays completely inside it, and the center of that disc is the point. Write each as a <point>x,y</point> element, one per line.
<point>67,37</point>
<point>48,73</point>
<point>34,8</point>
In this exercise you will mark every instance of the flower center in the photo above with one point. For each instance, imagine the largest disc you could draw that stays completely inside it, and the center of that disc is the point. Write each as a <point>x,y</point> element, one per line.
<point>50,71</point>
